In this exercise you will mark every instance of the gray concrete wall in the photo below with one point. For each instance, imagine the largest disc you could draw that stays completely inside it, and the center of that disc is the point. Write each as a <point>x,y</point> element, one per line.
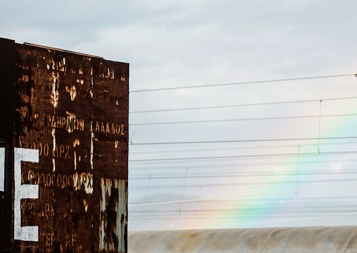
<point>307,239</point>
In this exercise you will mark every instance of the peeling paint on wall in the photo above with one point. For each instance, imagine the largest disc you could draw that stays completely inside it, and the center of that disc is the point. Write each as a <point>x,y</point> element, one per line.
<point>66,113</point>
<point>113,215</point>
<point>83,180</point>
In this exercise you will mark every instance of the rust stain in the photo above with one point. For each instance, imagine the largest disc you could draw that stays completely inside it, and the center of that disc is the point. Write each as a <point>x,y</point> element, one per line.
<point>113,215</point>
<point>66,107</point>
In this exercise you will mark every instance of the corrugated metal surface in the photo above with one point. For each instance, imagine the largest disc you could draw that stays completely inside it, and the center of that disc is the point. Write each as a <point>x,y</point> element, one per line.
<point>71,122</point>
<point>299,240</point>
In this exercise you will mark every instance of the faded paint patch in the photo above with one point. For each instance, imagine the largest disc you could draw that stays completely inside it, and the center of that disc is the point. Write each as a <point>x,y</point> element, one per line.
<point>55,93</point>
<point>54,149</point>
<point>83,180</point>
<point>86,204</point>
<point>91,146</point>
<point>72,92</point>
<point>23,191</point>
<point>76,142</point>
<point>113,215</point>
<point>2,169</point>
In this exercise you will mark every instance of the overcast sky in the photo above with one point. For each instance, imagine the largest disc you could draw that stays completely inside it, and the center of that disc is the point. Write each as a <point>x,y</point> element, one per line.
<point>194,43</point>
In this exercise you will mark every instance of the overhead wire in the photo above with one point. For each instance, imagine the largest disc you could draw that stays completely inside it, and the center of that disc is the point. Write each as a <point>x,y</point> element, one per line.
<point>242,83</point>
<point>245,184</point>
<point>241,197</point>
<point>232,175</point>
<point>281,198</point>
<point>282,216</point>
<point>244,156</point>
<point>241,141</point>
<point>219,210</point>
<point>131,167</point>
<point>237,148</point>
<point>244,119</point>
<point>225,198</point>
<point>241,105</point>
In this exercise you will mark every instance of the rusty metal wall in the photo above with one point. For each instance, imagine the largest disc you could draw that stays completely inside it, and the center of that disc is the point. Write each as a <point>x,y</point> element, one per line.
<point>7,63</point>
<point>71,152</point>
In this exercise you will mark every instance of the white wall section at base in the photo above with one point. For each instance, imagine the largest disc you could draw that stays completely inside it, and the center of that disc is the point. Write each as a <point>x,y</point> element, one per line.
<point>28,233</point>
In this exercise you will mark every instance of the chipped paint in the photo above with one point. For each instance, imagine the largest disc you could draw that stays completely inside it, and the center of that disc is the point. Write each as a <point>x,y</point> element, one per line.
<point>72,92</point>
<point>92,136</point>
<point>76,142</point>
<point>113,215</point>
<point>83,181</point>
<point>73,111</point>
<point>85,204</point>
<point>54,149</point>
<point>55,93</point>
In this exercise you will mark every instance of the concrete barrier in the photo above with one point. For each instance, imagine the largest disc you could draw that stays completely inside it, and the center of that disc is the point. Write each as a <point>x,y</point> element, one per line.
<point>305,239</point>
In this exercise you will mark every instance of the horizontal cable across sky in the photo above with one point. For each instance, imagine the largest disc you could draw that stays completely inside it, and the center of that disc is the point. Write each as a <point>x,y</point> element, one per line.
<point>242,83</point>
<point>237,197</point>
<point>244,105</point>
<point>244,119</point>
<point>210,168</point>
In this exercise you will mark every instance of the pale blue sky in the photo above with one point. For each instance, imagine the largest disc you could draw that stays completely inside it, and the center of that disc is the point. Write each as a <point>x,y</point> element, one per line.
<point>183,43</point>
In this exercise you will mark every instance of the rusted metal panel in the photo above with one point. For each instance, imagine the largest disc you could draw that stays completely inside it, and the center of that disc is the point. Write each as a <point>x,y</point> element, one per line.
<point>71,144</point>
<point>7,65</point>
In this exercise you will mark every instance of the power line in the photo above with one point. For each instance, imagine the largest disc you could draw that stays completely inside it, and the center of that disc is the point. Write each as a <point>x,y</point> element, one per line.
<point>230,175</point>
<point>241,83</point>
<point>282,216</point>
<point>244,156</point>
<point>235,148</point>
<point>249,184</point>
<point>286,208</point>
<point>244,119</point>
<point>240,197</point>
<point>280,198</point>
<point>240,141</point>
<point>237,165</point>
<point>242,105</point>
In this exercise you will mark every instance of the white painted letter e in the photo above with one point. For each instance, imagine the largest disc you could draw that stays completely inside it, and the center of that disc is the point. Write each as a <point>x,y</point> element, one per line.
<point>23,191</point>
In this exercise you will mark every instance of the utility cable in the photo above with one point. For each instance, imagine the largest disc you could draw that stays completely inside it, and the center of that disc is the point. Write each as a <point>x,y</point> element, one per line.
<point>241,83</point>
<point>250,184</point>
<point>241,197</point>
<point>241,105</point>
<point>234,175</point>
<point>244,156</point>
<point>240,141</point>
<point>243,119</point>
<point>216,166</point>
<point>234,148</point>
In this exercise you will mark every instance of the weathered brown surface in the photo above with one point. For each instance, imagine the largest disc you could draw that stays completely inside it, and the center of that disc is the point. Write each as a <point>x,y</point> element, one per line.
<point>299,240</point>
<point>7,63</point>
<point>73,109</point>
